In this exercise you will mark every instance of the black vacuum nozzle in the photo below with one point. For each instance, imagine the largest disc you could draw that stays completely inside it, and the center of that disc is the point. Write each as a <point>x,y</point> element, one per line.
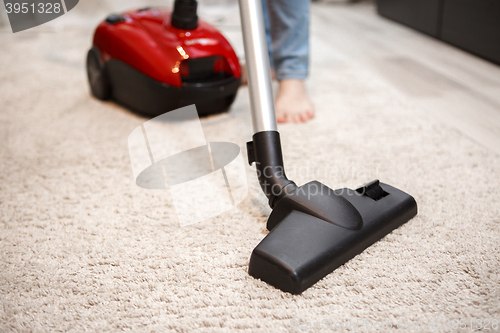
<point>184,15</point>
<point>314,229</point>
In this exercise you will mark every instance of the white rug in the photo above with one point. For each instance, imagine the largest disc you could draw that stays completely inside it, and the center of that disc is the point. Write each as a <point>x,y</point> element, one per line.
<point>83,249</point>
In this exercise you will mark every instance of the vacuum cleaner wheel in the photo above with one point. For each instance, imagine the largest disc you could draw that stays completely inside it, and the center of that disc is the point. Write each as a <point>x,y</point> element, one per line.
<point>98,80</point>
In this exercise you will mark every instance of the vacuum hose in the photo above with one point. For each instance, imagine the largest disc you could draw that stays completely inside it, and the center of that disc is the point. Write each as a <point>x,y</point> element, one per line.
<point>265,151</point>
<point>184,15</point>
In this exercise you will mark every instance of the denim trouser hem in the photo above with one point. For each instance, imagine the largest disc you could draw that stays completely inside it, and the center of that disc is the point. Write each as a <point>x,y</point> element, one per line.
<point>283,74</point>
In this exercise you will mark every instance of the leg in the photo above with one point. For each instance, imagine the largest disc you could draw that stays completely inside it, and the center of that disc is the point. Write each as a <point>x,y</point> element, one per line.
<point>289,21</point>
<point>269,39</point>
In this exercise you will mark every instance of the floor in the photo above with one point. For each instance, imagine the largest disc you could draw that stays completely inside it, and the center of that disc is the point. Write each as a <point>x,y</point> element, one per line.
<point>458,88</point>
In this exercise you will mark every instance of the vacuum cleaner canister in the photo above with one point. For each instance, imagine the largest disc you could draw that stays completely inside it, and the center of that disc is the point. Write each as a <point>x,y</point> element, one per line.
<point>154,61</point>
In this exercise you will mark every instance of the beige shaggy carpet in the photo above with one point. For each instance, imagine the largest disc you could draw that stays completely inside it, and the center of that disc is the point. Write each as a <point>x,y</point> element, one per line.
<point>84,249</point>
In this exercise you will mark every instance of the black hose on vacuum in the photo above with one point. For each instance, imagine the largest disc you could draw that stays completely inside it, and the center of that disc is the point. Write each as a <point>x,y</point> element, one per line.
<point>184,15</point>
<point>265,151</point>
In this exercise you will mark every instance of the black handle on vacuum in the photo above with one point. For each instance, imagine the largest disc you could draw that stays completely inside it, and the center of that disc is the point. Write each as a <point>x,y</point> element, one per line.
<point>265,151</point>
<point>184,15</point>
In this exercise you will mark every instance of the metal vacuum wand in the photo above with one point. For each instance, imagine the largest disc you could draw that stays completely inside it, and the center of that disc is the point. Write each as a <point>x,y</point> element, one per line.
<point>265,149</point>
<point>258,68</point>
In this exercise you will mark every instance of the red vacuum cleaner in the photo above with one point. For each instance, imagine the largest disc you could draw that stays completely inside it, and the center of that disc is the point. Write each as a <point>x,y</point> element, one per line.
<point>153,61</point>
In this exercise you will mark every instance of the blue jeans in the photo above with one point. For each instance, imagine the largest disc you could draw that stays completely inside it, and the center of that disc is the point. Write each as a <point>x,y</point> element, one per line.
<point>287,32</point>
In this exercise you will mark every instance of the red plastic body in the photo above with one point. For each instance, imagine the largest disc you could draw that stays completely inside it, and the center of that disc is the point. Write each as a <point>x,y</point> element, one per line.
<point>148,42</point>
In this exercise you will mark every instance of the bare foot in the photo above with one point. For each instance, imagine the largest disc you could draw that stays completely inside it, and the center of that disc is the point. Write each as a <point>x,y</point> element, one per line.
<point>293,104</point>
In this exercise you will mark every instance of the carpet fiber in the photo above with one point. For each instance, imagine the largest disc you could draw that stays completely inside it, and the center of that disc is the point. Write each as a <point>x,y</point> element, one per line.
<point>84,249</point>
